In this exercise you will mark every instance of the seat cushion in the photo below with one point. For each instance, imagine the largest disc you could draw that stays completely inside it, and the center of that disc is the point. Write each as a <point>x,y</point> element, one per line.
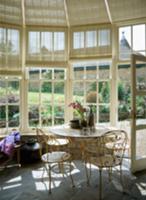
<point>56,156</point>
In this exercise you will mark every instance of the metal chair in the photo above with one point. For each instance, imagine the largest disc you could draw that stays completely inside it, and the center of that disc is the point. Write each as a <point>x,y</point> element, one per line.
<point>51,157</point>
<point>106,152</point>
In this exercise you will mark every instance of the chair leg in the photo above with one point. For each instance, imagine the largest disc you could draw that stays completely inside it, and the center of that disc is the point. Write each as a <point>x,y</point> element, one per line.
<point>50,179</point>
<point>110,174</point>
<point>100,183</point>
<point>121,175</point>
<point>61,168</point>
<point>44,168</point>
<point>73,185</point>
<point>87,175</point>
<point>18,157</point>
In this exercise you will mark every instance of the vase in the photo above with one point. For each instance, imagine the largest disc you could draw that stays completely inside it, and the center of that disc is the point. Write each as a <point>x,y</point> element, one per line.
<point>75,123</point>
<point>83,123</point>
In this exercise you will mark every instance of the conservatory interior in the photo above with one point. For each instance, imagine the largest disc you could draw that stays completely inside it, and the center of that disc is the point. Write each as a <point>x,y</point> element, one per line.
<point>70,67</point>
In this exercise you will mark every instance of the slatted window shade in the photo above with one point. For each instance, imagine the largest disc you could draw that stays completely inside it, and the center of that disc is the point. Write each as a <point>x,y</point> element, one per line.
<point>91,39</point>
<point>10,50</point>
<point>91,42</point>
<point>46,46</point>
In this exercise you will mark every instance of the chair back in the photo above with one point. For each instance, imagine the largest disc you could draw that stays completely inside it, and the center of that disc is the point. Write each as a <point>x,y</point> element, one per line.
<point>115,142</point>
<point>42,139</point>
<point>105,150</point>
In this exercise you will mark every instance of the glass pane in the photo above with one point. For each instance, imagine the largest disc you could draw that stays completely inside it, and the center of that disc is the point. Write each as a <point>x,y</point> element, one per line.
<point>33,115</point>
<point>78,91</point>
<point>3,98</point>
<point>78,40</point>
<point>34,74</point>
<point>46,92</point>
<point>58,114</point>
<point>141,144</point>
<point>140,110</point>
<point>59,41</point>
<point>34,43</point>
<point>124,72</point>
<point>46,115</point>
<point>91,94</point>
<point>3,44</point>
<point>91,39</point>
<point>104,37</point>
<point>141,77</point>
<point>104,72</point>
<point>104,92</point>
<point>59,96</point>
<point>139,37</point>
<point>46,42</point>
<point>2,116</point>
<point>124,92</point>
<point>104,113</point>
<point>125,42</point>
<point>94,108</point>
<point>79,72</point>
<point>59,74</point>
<point>13,92</point>
<point>33,92</point>
<point>13,41</point>
<point>46,74</point>
<point>91,72</point>
<point>13,116</point>
<point>124,98</point>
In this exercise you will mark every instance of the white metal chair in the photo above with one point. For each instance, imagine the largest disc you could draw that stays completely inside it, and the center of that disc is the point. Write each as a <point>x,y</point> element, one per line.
<point>51,157</point>
<point>106,152</point>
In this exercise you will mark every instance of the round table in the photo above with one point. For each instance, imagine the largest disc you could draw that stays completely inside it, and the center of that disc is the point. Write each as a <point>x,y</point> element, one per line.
<point>79,138</point>
<point>66,131</point>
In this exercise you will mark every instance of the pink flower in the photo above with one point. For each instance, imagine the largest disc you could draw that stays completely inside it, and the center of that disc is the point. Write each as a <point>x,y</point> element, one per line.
<point>80,110</point>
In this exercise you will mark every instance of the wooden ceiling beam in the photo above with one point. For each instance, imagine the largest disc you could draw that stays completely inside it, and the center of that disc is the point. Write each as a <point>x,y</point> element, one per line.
<point>108,11</point>
<point>66,13</point>
<point>23,12</point>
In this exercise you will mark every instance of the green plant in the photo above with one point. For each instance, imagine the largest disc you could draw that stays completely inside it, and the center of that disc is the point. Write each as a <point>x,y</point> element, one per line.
<point>78,108</point>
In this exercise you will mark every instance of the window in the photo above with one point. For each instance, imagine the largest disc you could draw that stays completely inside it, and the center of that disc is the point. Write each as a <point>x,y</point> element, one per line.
<point>78,40</point>
<point>59,41</point>
<point>124,92</point>
<point>46,99</point>
<point>9,102</point>
<point>9,49</point>
<point>132,40</point>
<point>91,42</point>
<point>47,45</point>
<point>91,39</point>
<point>104,37</point>
<point>91,86</point>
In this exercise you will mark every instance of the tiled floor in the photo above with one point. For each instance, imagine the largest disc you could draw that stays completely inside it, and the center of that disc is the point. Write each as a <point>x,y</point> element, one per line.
<point>26,183</point>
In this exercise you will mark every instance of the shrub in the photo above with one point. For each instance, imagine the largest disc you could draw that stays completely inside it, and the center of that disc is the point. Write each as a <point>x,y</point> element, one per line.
<point>91,97</point>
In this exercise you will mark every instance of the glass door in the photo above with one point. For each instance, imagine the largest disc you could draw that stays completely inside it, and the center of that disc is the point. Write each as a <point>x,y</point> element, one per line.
<point>138,126</point>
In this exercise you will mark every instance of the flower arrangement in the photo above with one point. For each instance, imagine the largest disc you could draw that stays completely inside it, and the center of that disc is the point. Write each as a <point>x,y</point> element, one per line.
<point>79,109</point>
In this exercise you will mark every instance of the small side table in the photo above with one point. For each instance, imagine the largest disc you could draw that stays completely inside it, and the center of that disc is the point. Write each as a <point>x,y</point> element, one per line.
<point>30,152</point>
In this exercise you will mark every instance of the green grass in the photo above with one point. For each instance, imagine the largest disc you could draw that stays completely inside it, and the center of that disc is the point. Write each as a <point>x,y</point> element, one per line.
<point>33,97</point>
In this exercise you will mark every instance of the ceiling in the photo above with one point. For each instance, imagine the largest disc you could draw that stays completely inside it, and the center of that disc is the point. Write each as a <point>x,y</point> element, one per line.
<point>70,12</point>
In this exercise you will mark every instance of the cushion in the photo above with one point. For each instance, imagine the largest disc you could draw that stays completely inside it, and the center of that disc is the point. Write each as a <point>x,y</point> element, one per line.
<point>8,143</point>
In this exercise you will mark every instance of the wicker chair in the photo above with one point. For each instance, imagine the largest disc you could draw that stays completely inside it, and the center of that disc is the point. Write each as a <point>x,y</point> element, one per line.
<point>106,152</point>
<point>51,156</point>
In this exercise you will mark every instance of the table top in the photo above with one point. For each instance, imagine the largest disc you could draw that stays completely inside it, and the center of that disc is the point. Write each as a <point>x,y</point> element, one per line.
<point>66,131</point>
